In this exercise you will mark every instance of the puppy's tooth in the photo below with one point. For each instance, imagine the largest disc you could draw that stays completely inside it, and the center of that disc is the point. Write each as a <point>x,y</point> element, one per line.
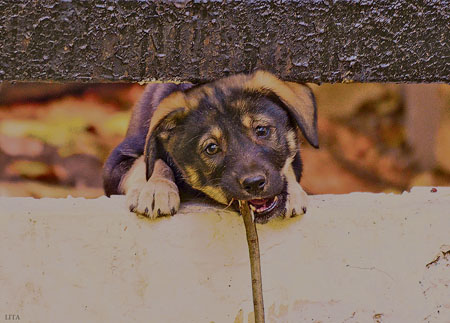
<point>253,215</point>
<point>275,199</point>
<point>252,207</point>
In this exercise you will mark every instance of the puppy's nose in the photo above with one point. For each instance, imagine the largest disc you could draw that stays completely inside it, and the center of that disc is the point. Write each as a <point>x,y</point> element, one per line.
<point>254,184</point>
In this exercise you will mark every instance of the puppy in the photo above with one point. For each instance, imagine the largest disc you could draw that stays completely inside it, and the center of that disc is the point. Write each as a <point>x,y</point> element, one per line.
<point>233,139</point>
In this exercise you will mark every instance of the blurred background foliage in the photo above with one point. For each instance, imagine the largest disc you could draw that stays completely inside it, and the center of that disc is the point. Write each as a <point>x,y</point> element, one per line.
<point>54,138</point>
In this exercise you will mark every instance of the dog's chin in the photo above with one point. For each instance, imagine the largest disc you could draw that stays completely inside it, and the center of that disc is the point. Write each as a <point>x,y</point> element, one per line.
<point>268,208</point>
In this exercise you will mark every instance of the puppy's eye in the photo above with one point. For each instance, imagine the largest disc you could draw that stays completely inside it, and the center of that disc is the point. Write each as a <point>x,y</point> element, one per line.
<point>212,149</point>
<point>262,131</point>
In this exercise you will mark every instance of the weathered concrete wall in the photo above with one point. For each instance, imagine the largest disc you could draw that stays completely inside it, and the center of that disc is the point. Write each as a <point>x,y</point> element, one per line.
<point>359,257</point>
<point>302,40</point>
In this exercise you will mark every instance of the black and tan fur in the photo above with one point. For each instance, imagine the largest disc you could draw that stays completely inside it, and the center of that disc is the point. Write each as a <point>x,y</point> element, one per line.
<point>233,139</point>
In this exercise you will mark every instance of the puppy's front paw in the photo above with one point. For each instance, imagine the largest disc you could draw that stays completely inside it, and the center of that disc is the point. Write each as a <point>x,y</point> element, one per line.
<point>158,197</point>
<point>133,197</point>
<point>296,201</point>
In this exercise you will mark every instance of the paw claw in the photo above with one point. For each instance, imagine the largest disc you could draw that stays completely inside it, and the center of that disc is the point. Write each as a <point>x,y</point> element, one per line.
<point>132,208</point>
<point>297,200</point>
<point>172,211</point>
<point>146,211</point>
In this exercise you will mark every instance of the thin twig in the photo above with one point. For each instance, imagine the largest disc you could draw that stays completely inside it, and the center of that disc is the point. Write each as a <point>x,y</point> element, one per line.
<point>255,261</point>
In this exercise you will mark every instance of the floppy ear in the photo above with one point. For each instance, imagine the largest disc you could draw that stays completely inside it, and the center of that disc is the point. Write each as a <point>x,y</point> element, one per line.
<point>164,119</point>
<point>297,98</point>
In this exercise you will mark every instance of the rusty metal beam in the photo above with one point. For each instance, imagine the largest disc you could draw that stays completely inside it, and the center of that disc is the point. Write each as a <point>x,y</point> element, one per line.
<point>303,40</point>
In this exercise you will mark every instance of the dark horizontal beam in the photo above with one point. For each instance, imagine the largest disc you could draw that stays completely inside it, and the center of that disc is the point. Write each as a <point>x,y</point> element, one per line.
<point>303,40</point>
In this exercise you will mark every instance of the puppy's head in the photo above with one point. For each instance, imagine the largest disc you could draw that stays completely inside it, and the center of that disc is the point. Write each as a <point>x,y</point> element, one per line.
<point>234,139</point>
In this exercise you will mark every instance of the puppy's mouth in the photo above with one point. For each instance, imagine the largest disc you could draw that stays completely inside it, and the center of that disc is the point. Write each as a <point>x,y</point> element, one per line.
<point>263,206</point>
<point>265,209</point>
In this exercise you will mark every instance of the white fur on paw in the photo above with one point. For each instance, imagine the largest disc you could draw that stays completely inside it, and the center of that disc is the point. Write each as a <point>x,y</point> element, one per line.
<point>297,200</point>
<point>132,197</point>
<point>158,197</point>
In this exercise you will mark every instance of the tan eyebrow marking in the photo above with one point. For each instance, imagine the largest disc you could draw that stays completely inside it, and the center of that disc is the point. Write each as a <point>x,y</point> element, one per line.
<point>247,120</point>
<point>263,119</point>
<point>216,132</point>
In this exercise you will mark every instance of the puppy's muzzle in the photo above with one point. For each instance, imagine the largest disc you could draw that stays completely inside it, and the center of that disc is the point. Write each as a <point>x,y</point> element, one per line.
<point>254,184</point>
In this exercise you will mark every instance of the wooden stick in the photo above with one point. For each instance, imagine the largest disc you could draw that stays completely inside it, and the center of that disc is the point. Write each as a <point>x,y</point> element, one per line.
<point>255,261</point>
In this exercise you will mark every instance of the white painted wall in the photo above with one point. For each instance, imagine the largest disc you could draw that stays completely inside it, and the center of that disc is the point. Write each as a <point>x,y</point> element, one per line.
<point>359,257</point>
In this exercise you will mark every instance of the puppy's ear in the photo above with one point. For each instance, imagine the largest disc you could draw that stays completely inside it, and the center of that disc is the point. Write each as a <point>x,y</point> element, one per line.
<point>297,98</point>
<point>168,113</point>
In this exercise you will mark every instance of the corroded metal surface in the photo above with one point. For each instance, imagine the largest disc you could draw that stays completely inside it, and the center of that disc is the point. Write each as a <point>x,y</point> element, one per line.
<point>303,40</point>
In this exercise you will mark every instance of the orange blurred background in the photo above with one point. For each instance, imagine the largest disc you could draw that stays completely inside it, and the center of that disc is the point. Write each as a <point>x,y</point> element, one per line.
<point>54,138</point>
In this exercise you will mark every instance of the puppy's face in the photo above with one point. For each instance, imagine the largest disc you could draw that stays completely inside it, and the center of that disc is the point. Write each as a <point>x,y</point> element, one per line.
<point>232,141</point>
<point>236,149</point>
